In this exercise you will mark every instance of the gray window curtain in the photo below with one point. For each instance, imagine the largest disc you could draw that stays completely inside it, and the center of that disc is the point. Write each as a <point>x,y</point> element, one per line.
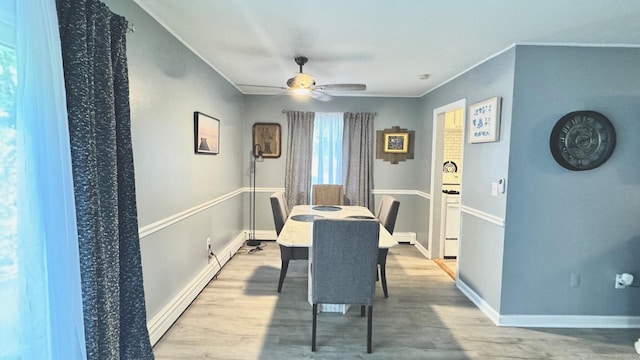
<point>297,180</point>
<point>96,81</point>
<point>357,159</point>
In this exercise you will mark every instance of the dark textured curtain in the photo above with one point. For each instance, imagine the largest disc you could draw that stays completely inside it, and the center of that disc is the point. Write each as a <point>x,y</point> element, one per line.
<point>357,159</point>
<point>297,180</point>
<point>97,86</point>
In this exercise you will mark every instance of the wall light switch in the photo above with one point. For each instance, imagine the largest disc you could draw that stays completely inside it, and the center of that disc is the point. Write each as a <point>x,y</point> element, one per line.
<point>494,189</point>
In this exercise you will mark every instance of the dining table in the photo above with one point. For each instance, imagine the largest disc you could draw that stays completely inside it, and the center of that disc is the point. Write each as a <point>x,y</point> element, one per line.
<point>296,237</point>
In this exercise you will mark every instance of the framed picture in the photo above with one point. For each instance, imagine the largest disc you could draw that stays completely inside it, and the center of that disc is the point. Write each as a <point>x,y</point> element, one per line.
<point>397,143</point>
<point>206,134</point>
<point>484,121</point>
<point>266,138</point>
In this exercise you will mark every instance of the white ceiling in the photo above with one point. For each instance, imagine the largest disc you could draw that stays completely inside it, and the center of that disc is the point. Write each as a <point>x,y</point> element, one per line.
<point>386,44</point>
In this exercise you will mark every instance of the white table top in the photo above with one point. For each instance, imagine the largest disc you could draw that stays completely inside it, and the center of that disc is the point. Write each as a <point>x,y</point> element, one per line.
<point>299,233</point>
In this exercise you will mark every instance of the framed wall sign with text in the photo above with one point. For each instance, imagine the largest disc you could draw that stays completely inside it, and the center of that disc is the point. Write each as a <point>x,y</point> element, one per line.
<point>484,121</point>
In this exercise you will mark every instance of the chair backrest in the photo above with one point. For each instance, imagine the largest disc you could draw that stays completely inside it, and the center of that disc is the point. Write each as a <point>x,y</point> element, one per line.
<point>326,194</point>
<point>279,209</point>
<point>388,212</point>
<point>344,256</point>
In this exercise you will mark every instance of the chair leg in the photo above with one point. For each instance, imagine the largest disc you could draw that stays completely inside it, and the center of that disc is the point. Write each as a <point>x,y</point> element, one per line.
<point>362,310</point>
<point>283,273</point>
<point>313,327</point>
<point>383,279</point>
<point>369,327</point>
<point>382,262</point>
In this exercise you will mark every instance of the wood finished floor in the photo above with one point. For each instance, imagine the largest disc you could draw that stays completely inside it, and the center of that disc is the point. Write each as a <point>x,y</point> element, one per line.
<point>450,266</point>
<point>240,315</point>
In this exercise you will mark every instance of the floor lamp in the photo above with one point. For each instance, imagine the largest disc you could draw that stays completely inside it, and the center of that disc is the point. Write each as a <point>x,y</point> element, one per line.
<point>256,156</point>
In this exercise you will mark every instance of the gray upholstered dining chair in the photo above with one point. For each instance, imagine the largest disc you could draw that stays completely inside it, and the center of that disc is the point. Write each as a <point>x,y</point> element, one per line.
<point>327,194</point>
<point>280,214</point>
<point>387,214</point>
<point>343,263</point>
<point>279,209</point>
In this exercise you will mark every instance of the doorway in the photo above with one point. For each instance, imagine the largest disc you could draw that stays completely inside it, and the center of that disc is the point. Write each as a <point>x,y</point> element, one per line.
<point>446,185</point>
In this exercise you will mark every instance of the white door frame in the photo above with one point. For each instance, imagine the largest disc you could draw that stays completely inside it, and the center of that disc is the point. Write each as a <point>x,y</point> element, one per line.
<point>436,165</point>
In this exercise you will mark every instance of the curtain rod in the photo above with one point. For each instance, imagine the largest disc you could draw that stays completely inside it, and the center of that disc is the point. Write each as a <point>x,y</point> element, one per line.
<point>285,111</point>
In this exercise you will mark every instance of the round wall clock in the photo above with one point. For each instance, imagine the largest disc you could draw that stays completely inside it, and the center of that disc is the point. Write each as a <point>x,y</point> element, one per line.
<point>582,140</point>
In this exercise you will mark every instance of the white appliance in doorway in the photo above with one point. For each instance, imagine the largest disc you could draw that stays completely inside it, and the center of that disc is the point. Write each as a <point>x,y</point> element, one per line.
<point>451,214</point>
<point>446,175</point>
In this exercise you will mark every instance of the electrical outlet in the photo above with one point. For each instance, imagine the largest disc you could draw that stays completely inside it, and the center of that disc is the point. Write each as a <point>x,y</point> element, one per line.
<point>208,244</point>
<point>623,280</point>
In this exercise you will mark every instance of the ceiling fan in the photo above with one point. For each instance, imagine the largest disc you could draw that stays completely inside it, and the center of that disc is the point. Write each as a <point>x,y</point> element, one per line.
<point>304,84</point>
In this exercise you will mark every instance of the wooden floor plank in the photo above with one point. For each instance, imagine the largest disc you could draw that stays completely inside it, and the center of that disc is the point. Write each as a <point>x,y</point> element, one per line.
<point>240,315</point>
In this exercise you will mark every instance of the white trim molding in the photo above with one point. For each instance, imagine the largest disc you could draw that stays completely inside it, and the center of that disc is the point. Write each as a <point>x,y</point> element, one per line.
<point>571,321</point>
<point>549,321</point>
<point>270,235</point>
<point>162,321</point>
<point>482,215</point>
<point>484,306</point>
<point>170,220</point>
<point>400,192</point>
<point>263,189</point>
<point>423,250</point>
<point>405,237</point>
<point>267,235</point>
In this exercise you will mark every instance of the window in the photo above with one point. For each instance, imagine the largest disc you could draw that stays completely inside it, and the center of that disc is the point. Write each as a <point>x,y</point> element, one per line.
<point>41,314</point>
<point>8,199</point>
<point>326,166</point>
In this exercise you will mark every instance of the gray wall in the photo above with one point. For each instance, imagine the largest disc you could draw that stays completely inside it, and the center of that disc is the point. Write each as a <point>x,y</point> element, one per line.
<point>168,83</point>
<point>401,112</point>
<point>480,262</point>
<point>559,221</point>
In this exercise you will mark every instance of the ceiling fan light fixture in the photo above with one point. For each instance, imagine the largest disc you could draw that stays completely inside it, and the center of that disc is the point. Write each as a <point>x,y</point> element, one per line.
<point>301,91</point>
<point>301,80</point>
<point>303,85</point>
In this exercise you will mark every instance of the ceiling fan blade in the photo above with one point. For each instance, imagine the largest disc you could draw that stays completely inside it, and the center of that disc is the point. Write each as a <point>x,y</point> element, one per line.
<point>263,86</point>
<point>319,95</point>
<point>341,87</point>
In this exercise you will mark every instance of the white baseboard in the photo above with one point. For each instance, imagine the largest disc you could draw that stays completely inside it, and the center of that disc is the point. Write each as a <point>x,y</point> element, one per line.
<point>162,321</point>
<point>405,237</point>
<point>490,312</point>
<point>263,234</point>
<point>549,321</point>
<point>423,250</point>
<point>571,321</point>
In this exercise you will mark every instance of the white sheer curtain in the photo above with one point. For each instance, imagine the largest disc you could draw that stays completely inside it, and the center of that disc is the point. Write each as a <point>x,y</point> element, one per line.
<point>326,167</point>
<point>41,312</point>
